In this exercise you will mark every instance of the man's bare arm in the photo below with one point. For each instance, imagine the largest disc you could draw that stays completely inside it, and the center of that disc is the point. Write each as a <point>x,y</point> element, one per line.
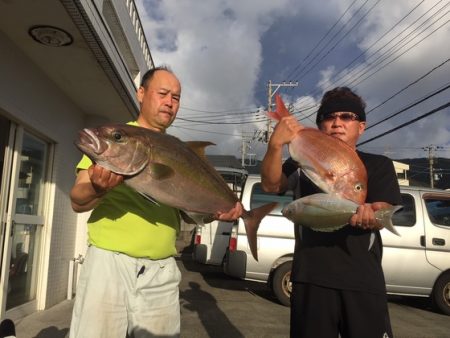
<point>272,177</point>
<point>90,186</point>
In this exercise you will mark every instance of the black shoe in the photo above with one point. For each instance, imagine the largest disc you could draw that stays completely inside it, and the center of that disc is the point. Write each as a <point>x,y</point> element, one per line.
<point>7,328</point>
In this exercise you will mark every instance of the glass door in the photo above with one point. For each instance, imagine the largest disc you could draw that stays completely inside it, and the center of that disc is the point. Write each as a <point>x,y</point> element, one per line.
<point>24,220</point>
<point>6,155</point>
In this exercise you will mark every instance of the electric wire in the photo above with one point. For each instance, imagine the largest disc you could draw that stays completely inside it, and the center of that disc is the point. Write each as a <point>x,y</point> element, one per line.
<point>409,107</point>
<point>341,74</point>
<point>405,124</point>
<point>323,38</point>
<point>302,75</point>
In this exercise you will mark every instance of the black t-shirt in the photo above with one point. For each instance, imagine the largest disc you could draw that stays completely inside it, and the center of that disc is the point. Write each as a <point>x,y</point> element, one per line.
<point>349,258</point>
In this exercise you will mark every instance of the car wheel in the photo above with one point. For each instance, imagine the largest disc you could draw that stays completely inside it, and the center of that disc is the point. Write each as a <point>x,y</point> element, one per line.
<point>281,283</point>
<point>441,294</point>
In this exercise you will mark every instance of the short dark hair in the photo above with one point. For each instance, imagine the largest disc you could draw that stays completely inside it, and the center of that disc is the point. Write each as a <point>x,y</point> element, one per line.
<point>341,99</point>
<point>149,74</point>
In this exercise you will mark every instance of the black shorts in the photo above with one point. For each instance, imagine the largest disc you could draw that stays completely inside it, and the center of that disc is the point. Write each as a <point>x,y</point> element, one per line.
<point>319,312</point>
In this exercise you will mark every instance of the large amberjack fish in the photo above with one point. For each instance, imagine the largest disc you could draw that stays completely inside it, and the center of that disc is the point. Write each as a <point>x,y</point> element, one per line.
<point>324,212</point>
<point>168,171</point>
<point>327,161</point>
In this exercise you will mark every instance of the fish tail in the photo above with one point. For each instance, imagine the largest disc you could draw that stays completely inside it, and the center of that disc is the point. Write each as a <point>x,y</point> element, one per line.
<point>281,110</point>
<point>252,219</point>
<point>384,216</point>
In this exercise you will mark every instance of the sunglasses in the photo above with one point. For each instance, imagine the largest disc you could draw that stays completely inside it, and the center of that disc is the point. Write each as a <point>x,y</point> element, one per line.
<point>346,117</point>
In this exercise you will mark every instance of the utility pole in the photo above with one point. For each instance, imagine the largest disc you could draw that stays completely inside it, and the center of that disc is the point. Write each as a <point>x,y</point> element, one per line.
<point>244,147</point>
<point>431,148</point>
<point>271,93</point>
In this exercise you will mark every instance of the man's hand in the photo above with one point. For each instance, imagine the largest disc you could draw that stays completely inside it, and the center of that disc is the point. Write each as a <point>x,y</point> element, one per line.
<point>285,131</point>
<point>365,216</point>
<point>102,179</point>
<point>91,185</point>
<point>231,215</point>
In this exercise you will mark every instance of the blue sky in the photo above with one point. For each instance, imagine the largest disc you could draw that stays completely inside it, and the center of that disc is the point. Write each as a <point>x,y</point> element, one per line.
<point>392,53</point>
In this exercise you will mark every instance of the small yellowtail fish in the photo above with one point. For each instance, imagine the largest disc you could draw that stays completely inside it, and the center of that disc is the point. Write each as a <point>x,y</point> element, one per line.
<point>325,212</point>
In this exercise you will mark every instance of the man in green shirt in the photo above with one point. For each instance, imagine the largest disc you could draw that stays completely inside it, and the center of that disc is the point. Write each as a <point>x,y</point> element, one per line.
<point>129,279</point>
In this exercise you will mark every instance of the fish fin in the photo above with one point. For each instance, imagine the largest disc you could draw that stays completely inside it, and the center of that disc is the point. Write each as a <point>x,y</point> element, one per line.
<point>160,171</point>
<point>149,198</point>
<point>384,216</point>
<point>316,179</point>
<point>186,218</point>
<point>198,147</point>
<point>252,219</point>
<point>371,241</point>
<point>273,115</point>
<point>196,218</point>
<point>130,171</point>
<point>281,110</point>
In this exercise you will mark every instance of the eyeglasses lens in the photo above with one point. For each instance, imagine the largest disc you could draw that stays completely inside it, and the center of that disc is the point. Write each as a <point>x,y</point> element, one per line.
<point>346,117</point>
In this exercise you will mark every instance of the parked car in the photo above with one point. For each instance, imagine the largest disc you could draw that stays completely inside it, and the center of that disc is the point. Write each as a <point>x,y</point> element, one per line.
<point>417,263</point>
<point>211,240</point>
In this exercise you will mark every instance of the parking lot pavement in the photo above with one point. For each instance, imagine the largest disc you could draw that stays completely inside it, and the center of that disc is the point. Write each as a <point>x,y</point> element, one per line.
<point>215,305</point>
<point>51,323</point>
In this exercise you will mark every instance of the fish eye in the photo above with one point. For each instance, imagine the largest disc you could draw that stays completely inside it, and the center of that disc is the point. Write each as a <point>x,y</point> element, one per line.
<point>358,187</point>
<point>117,136</point>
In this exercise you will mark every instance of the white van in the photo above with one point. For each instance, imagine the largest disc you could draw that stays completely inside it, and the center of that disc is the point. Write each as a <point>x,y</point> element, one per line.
<point>211,240</point>
<point>415,264</point>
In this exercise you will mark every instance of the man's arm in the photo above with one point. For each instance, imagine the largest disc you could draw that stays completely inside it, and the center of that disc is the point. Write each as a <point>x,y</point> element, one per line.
<point>91,185</point>
<point>272,177</point>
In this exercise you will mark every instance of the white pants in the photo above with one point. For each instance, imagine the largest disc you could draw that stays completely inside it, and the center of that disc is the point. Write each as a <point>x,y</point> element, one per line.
<point>118,294</point>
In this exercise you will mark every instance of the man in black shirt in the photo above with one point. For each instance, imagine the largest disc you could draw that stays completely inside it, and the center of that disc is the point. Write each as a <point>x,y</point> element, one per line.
<point>338,284</point>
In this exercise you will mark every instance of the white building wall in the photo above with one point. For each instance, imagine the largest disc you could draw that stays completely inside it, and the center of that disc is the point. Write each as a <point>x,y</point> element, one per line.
<point>47,112</point>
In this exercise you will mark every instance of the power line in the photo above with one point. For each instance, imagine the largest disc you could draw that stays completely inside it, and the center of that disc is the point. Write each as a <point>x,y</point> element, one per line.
<point>222,113</point>
<point>231,110</point>
<point>395,46</point>
<point>409,85</point>
<point>410,106</point>
<point>391,29</point>
<point>338,42</point>
<point>376,62</point>
<point>394,59</point>
<point>205,131</point>
<point>400,91</point>
<point>406,124</point>
<point>323,38</point>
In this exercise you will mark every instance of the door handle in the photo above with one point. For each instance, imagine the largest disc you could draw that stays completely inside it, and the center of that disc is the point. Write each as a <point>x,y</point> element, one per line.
<point>422,241</point>
<point>438,241</point>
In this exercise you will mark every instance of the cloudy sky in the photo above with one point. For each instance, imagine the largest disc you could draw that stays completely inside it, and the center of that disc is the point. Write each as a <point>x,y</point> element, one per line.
<point>395,54</point>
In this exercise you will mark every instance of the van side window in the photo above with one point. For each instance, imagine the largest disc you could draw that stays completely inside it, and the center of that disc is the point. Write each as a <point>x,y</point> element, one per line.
<point>259,197</point>
<point>438,210</point>
<point>407,215</point>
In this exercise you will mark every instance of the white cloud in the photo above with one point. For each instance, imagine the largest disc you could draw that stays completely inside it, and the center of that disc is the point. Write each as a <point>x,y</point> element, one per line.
<point>224,51</point>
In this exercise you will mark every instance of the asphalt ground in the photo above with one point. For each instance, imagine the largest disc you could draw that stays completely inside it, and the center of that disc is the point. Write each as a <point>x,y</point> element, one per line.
<point>216,305</point>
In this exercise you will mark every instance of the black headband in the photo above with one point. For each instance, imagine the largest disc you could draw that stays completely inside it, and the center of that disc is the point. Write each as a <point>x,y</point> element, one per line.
<point>344,105</point>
